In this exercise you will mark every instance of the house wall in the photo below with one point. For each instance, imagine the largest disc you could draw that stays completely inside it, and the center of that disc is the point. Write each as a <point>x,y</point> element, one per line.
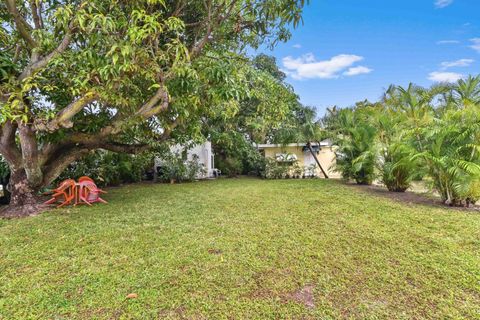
<point>205,156</point>
<point>326,156</point>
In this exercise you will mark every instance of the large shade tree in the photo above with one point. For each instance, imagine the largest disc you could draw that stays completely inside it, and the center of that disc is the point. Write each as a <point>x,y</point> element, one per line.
<point>270,105</point>
<point>81,75</point>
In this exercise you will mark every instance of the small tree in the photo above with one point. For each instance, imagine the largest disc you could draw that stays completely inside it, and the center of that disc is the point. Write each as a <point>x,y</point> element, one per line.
<point>270,104</point>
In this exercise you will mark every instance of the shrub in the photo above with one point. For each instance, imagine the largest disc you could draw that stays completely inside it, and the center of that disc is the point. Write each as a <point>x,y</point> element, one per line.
<point>230,167</point>
<point>396,167</point>
<point>282,170</point>
<point>473,193</point>
<point>451,156</point>
<point>297,171</point>
<point>110,169</point>
<point>254,163</point>
<point>310,171</point>
<point>175,169</point>
<point>238,157</point>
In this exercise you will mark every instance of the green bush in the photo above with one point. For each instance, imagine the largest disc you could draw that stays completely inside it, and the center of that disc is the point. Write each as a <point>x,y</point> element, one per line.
<point>282,170</point>
<point>397,169</point>
<point>175,169</point>
<point>230,167</point>
<point>473,194</point>
<point>109,169</point>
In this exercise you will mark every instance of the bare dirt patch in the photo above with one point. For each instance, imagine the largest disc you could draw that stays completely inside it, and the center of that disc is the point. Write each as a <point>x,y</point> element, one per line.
<point>215,251</point>
<point>303,296</point>
<point>10,212</point>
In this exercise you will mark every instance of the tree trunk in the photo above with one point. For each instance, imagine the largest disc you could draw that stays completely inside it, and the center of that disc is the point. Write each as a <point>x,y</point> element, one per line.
<point>24,199</point>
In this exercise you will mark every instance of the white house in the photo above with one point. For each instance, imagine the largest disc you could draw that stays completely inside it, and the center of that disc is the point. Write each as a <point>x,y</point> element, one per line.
<point>202,152</point>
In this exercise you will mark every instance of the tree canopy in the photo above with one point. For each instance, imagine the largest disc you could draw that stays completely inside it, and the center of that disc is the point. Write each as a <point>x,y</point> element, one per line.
<point>123,75</point>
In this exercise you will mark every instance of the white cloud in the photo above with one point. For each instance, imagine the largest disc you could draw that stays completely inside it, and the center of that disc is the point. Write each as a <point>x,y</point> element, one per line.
<point>445,76</point>
<point>297,46</point>
<point>458,63</point>
<point>307,67</point>
<point>443,3</point>
<point>448,42</point>
<point>475,44</point>
<point>357,70</point>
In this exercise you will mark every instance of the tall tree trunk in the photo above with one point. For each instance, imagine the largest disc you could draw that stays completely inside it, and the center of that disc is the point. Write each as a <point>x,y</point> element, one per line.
<point>24,199</point>
<point>309,145</point>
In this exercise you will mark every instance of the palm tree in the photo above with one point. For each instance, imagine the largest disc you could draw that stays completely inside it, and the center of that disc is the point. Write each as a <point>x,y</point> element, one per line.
<point>394,163</point>
<point>452,155</point>
<point>467,92</point>
<point>414,103</point>
<point>355,138</point>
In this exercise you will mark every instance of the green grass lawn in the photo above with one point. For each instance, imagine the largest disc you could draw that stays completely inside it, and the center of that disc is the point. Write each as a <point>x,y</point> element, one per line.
<point>242,249</point>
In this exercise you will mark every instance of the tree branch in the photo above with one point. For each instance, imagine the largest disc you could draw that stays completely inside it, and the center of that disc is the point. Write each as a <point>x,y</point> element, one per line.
<point>124,148</point>
<point>8,148</point>
<point>36,14</point>
<point>147,110</point>
<point>63,118</point>
<point>61,158</point>
<point>211,23</point>
<point>56,157</point>
<point>22,26</point>
<point>56,167</point>
<point>43,62</point>
<point>152,107</point>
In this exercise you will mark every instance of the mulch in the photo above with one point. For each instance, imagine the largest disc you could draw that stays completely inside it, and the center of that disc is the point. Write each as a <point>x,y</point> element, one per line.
<point>410,198</point>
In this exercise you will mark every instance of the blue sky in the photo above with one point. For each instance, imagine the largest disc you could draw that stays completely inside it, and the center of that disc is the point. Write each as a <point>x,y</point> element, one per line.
<point>350,50</point>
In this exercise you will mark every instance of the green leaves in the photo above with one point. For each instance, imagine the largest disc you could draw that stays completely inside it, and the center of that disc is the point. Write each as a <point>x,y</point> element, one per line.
<point>355,136</point>
<point>125,52</point>
<point>419,132</point>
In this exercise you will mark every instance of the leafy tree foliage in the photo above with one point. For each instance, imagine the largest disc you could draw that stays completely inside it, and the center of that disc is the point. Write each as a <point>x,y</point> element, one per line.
<point>270,105</point>
<point>123,75</point>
